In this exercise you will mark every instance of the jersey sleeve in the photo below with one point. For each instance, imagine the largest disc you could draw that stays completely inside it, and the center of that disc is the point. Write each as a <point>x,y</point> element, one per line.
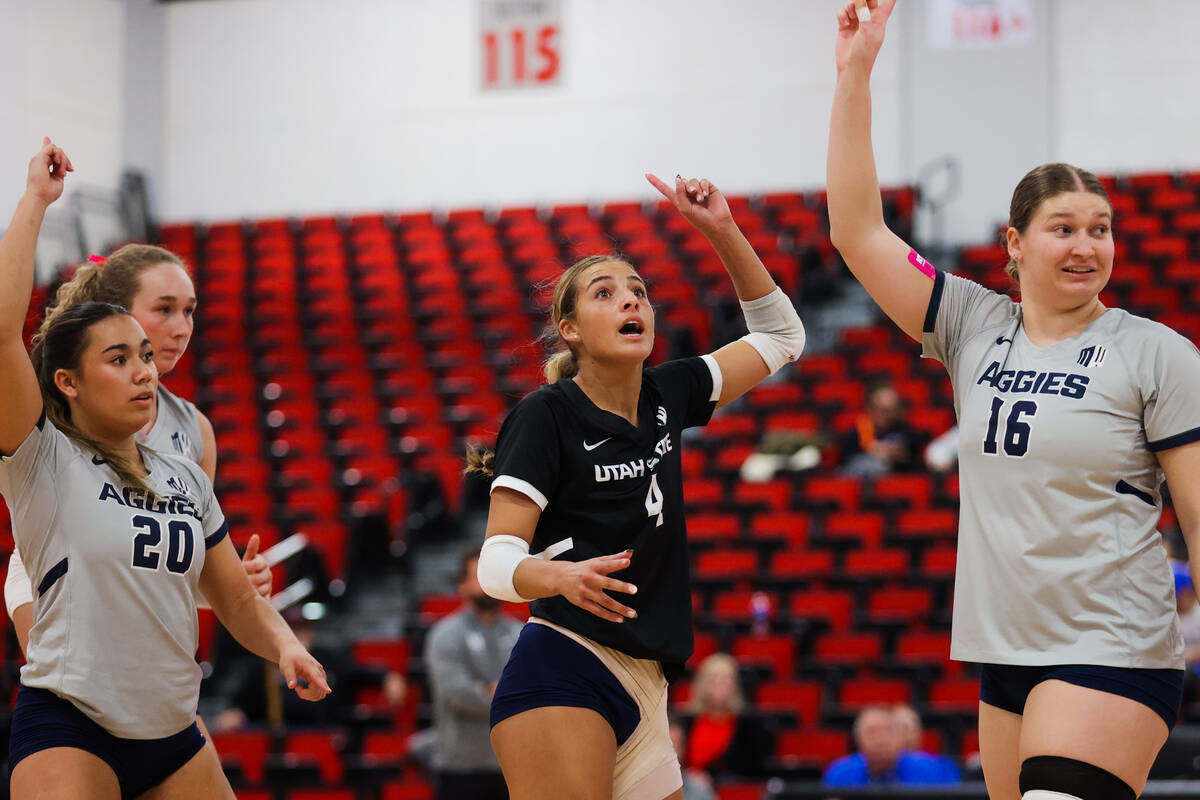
<point>29,483</point>
<point>690,387</point>
<point>212,518</point>
<point>1170,377</point>
<point>527,452</point>
<point>958,309</point>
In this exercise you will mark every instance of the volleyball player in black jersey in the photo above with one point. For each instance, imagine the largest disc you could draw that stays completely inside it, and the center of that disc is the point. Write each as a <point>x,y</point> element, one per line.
<point>587,471</point>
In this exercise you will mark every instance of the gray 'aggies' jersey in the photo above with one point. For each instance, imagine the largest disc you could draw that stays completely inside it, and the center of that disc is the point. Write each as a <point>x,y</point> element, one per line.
<point>115,574</point>
<point>176,428</point>
<point>1059,560</point>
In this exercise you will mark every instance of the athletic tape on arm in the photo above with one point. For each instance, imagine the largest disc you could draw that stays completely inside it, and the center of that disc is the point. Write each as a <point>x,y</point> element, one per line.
<point>776,331</point>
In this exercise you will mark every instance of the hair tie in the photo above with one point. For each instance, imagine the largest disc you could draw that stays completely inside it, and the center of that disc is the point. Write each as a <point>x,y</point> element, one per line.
<point>95,259</point>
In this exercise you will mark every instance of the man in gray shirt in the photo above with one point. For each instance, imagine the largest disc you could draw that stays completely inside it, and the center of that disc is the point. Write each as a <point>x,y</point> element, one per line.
<point>464,656</point>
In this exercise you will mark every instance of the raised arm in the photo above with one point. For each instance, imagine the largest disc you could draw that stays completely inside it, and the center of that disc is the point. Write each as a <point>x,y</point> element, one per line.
<point>21,401</point>
<point>776,334</point>
<point>888,268</point>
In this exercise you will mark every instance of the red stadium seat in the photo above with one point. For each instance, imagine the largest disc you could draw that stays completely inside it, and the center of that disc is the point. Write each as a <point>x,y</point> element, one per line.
<point>955,694</point>
<point>812,746</point>
<point>860,692</point>
<point>407,790</point>
<point>875,563</point>
<point>802,564</point>
<point>834,607</point>
<point>777,652</point>
<point>924,647</point>
<point>857,649</point>
<point>803,698</point>
<point>322,748</point>
<point>247,749</point>
<point>896,603</point>
<point>727,563</point>
<point>841,492</point>
<point>390,654</point>
<point>792,526</point>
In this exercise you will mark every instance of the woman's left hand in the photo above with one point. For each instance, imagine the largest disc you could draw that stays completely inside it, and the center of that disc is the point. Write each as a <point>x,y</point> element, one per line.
<point>257,569</point>
<point>303,673</point>
<point>700,203</point>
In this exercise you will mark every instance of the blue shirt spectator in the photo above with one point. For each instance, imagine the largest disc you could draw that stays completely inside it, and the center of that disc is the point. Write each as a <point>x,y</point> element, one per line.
<point>882,759</point>
<point>910,767</point>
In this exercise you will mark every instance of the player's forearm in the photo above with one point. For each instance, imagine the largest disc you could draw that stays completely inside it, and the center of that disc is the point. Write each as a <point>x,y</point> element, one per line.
<point>257,626</point>
<point>855,205</point>
<point>535,578</point>
<point>750,278</point>
<point>17,250</point>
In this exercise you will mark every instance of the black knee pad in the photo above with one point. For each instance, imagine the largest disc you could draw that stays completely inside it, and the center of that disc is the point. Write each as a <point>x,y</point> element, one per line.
<point>1075,778</point>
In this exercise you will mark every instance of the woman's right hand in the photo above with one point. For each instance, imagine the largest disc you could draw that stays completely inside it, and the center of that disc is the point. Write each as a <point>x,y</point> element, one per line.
<point>583,583</point>
<point>858,43</point>
<point>47,172</point>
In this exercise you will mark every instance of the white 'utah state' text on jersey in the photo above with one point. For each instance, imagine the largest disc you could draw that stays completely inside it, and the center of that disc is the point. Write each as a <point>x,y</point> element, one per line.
<point>605,486</point>
<point>115,573</point>
<point>1059,559</point>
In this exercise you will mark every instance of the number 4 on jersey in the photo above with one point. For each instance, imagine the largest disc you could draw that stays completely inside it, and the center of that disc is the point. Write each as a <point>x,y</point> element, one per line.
<point>654,501</point>
<point>1016,436</point>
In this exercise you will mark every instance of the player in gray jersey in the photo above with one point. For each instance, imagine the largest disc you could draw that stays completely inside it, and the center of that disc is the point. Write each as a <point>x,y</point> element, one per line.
<point>119,539</point>
<point>154,285</point>
<point>1070,414</point>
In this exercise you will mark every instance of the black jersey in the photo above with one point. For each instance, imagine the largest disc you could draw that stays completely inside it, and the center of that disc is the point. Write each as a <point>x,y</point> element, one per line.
<point>605,486</point>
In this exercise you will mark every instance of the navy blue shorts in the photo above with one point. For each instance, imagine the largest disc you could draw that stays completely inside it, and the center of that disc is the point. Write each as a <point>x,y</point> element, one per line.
<point>549,669</point>
<point>1161,690</point>
<point>42,720</point>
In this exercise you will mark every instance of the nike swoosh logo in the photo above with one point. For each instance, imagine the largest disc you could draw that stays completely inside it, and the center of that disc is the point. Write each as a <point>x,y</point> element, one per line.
<point>591,447</point>
<point>1002,340</point>
<point>97,460</point>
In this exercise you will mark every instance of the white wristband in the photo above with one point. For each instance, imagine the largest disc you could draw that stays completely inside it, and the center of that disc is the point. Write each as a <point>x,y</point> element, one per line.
<point>498,560</point>
<point>776,331</point>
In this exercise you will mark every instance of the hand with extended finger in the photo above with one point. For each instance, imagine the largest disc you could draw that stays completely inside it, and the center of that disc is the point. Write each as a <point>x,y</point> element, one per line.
<point>698,200</point>
<point>303,673</point>
<point>256,568</point>
<point>858,42</point>
<point>587,584</point>
<point>47,172</point>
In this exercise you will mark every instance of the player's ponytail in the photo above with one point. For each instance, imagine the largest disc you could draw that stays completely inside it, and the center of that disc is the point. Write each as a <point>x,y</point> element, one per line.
<point>480,459</point>
<point>113,280</point>
<point>1039,185</point>
<point>61,342</point>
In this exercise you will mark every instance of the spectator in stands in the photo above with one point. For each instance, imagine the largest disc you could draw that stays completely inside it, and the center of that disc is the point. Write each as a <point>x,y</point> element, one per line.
<point>723,740</point>
<point>244,685</point>
<point>882,440</point>
<point>1189,625</point>
<point>881,756</point>
<point>464,656</point>
<point>696,784</point>
<point>908,726</point>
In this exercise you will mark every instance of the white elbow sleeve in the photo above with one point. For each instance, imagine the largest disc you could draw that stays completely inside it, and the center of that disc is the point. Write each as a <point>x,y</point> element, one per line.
<point>776,331</point>
<point>498,560</point>
<point>17,589</point>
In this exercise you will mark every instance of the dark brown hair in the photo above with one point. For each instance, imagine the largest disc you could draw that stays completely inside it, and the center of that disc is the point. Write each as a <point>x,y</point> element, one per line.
<point>1039,185</point>
<point>61,343</point>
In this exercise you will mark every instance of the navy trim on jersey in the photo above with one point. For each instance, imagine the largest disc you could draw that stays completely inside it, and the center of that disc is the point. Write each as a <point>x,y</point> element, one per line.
<point>935,301</point>
<point>216,537</point>
<point>1126,488</point>
<point>52,576</point>
<point>1178,440</point>
<point>41,423</point>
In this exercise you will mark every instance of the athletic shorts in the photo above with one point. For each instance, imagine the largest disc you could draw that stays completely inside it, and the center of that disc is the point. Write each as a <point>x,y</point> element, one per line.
<point>1161,690</point>
<point>553,666</point>
<point>42,720</point>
